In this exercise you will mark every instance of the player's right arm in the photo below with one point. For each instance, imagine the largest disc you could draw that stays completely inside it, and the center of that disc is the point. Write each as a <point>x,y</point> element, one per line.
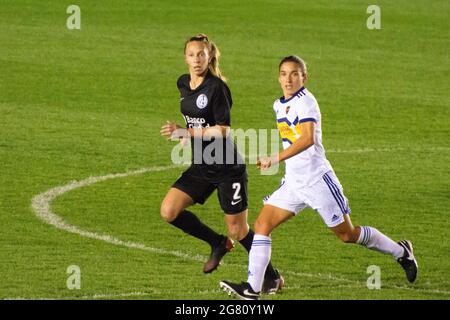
<point>306,140</point>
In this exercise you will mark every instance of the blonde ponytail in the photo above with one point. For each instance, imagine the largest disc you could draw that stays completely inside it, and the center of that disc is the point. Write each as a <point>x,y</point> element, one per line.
<point>214,63</point>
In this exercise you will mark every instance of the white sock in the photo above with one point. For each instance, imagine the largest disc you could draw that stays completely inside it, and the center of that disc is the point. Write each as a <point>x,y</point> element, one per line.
<point>259,258</point>
<point>375,240</point>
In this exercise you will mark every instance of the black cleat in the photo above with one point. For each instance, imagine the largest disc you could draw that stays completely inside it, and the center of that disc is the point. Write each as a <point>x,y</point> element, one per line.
<point>272,286</point>
<point>408,262</point>
<point>217,254</point>
<point>241,291</point>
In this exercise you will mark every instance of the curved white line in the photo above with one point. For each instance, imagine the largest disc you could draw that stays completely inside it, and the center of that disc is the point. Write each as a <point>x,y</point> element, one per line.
<point>41,205</point>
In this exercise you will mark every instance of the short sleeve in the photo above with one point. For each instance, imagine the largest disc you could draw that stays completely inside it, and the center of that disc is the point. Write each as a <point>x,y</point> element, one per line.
<point>308,110</point>
<point>182,82</point>
<point>221,105</point>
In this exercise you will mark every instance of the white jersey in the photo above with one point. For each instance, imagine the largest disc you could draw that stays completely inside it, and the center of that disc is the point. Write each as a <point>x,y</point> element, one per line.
<point>307,167</point>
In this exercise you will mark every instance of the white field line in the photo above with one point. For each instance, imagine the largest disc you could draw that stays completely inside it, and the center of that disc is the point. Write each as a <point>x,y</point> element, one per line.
<point>150,292</point>
<point>383,287</point>
<point>358,284</point>
<point>394,149</point>
<point>372,150</point>
<point>41,205</point>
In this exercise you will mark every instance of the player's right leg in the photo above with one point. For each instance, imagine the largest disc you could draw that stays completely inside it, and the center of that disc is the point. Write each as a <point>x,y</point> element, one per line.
<point>259,257</point>
<point>190,188</point>
<point>232,194</point>
<point>239,230</point>
<point>174,203</point>
<point>269,218</point>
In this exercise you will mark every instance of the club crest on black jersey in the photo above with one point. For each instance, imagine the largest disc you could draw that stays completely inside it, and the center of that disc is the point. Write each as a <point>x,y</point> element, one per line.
<point>207,105</point>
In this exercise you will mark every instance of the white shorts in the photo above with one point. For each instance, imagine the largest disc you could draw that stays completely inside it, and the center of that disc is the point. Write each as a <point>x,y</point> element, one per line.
<point>326,196</point>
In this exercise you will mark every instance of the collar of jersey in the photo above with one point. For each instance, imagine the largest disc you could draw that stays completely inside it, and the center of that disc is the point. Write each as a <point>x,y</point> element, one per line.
<point>282,100</point>
<point>207,76</point>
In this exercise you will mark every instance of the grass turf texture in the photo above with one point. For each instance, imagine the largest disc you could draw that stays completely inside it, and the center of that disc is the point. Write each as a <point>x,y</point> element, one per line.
<point>90,102</point>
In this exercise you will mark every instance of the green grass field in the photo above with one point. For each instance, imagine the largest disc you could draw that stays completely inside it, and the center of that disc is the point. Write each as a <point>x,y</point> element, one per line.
<point>87,103</point>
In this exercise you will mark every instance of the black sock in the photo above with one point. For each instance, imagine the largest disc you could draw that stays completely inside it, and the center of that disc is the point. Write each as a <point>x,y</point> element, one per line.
<point>189,223</point>
<point>247,244</point>
<point>247,240</point>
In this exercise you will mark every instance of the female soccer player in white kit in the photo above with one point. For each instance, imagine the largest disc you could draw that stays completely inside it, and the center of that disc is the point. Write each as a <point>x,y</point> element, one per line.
<point>309,181</point>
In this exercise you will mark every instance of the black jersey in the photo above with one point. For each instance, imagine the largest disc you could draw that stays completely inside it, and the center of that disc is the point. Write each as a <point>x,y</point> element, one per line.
<point>206,106</point>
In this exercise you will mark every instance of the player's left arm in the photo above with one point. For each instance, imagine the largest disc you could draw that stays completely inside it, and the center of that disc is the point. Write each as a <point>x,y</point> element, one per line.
<point>306,140</point>
<point>221,105</point>
<point>174,131</point>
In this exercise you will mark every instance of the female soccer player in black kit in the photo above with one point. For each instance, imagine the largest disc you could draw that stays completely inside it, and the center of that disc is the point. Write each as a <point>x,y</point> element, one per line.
<point>205,104</point>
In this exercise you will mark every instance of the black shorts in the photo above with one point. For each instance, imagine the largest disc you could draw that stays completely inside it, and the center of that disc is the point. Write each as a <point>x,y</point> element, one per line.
<point>231,189</point>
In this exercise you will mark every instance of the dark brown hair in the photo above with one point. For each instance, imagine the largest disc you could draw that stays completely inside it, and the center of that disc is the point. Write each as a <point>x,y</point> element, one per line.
<point>297,60</point>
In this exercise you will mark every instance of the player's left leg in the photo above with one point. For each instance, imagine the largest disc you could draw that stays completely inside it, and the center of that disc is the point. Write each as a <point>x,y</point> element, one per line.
<point>237,225</point>
<point>333,207</point>
<point>373,239</point>
<point>237,230</point>
<point>368,237</point>
<point>327,196</point>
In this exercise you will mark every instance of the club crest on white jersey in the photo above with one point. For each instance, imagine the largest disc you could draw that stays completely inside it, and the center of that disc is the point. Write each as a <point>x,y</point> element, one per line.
<point>307,167</point>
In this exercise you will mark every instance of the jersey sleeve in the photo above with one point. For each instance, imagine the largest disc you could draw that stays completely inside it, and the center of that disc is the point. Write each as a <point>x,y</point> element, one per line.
<point>221,105</point>
<point>181,82</point>
<point>308,110</point>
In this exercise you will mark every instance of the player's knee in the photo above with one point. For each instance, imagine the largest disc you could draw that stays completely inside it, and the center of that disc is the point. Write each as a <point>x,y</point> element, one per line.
<point>262,227</point>
<point>234,231</point>
<point>346,237</point>
<point>168,212</point>
<point>237,231</point>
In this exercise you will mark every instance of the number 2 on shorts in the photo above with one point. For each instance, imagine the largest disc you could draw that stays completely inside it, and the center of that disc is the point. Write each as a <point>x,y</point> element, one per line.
<point>237,187</point>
